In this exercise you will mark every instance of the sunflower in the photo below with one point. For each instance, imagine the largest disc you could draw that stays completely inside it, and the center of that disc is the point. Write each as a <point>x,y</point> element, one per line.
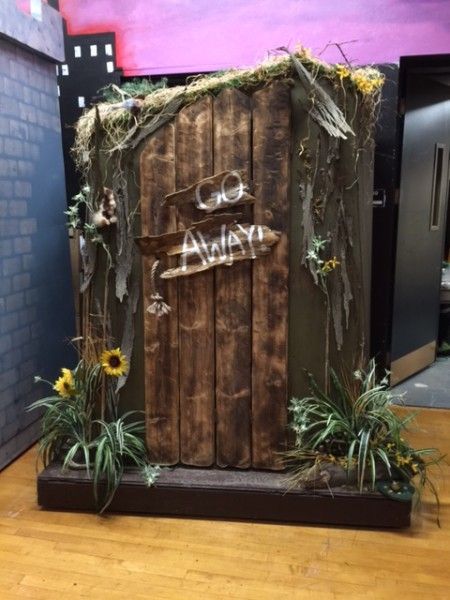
<point>114,362</point>
<point>64,385</point>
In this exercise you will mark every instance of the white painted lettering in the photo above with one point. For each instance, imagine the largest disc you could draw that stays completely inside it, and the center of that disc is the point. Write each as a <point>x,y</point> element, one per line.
<point>233,194</point>
<point>225,196</point>
<point>190,248</point>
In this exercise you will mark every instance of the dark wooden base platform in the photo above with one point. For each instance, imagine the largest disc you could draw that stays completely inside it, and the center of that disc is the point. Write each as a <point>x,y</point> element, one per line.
<point>214,493</point>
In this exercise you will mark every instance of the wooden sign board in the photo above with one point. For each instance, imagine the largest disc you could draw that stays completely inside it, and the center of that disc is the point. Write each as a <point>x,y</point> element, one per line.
<point>210,243</point>
<point>221,191</point>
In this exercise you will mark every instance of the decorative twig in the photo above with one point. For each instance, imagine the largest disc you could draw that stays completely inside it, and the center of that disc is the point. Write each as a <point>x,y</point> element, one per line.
<point>339,47</point>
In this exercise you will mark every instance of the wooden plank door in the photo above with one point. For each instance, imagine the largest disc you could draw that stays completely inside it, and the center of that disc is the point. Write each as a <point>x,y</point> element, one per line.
<point>216,366</point>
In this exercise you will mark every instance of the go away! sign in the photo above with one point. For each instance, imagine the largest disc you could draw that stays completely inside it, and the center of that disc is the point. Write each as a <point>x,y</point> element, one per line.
<point>218,239</point>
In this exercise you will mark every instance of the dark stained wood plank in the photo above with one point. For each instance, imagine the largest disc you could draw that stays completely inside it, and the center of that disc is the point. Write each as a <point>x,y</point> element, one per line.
<point>271,159</point>
<point>157,174</point>
<point>194,161</point>
<point>232,150</point>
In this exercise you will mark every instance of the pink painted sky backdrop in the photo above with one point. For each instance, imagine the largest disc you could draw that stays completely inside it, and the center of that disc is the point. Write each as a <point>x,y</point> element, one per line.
<point>181,36</point>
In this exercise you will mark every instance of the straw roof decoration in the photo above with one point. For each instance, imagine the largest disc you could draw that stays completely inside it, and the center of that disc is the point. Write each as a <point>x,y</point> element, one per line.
<point>125,124</point>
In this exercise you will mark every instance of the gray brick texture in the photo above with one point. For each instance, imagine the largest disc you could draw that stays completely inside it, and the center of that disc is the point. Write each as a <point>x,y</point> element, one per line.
<point>29,113</point>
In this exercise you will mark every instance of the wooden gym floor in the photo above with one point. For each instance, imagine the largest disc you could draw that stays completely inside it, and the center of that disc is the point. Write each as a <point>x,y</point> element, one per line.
<point>50,555</point>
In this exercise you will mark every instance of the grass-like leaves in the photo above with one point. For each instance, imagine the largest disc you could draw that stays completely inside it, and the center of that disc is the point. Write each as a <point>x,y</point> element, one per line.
<point>353,426</point>
<point>103,448</point>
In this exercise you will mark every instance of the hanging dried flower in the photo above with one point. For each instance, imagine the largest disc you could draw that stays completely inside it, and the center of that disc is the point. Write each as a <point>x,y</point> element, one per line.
<point>158,306</point>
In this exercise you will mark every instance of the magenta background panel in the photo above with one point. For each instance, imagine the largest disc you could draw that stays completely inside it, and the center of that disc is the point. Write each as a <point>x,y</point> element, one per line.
<point>178,36</point>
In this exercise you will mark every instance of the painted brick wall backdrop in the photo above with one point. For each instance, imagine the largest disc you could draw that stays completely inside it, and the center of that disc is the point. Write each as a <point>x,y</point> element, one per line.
<point>36,312</point>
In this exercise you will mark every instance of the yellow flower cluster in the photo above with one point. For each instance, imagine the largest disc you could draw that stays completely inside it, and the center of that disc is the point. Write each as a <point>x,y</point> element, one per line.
<point>330,265</point>
<point>343,461</point>
<point>406,461</point>
<point>367,81</point>
<point>402,460</point>
<point>342,71</point>
<point>65,385</point>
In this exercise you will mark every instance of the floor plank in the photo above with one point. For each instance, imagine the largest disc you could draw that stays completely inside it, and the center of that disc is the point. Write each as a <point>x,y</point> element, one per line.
<point>65,555</point>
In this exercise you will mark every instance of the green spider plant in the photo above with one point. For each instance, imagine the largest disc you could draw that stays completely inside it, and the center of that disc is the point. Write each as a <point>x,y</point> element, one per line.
<point>355,427</point>
<point>119,444</point>
<point>67,421</point>
<point>73,436</point>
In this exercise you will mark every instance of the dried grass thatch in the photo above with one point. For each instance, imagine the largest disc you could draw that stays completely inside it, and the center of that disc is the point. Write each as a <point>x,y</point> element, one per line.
<point>124,129</point>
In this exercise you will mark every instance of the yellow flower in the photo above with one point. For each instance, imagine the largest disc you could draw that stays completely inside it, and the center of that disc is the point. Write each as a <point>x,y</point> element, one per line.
<point>342,71</point>
<point>64,385</point>
<point>367,81</point>
<point>304,53</point>
<point>402,460</point>
<point>114,362</point>
<point>333,262</point>
<point>329,265</point>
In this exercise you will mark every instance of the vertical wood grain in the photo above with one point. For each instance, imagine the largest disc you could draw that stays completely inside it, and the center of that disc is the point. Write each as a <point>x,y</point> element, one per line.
<point>157,172</point>
<point>194,161</point>
<point>233,302</point>
<point>271,159</point>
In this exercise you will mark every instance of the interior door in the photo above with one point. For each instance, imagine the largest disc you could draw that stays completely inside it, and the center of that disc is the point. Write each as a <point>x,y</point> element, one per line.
<point>421,224</point>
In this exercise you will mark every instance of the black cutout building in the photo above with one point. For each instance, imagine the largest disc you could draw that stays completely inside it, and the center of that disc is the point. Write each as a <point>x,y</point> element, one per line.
<point>90,65</point>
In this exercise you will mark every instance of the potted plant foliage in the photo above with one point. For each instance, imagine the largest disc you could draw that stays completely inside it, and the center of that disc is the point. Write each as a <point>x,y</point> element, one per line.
<point>82,429</point>
<point>350,436</point>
